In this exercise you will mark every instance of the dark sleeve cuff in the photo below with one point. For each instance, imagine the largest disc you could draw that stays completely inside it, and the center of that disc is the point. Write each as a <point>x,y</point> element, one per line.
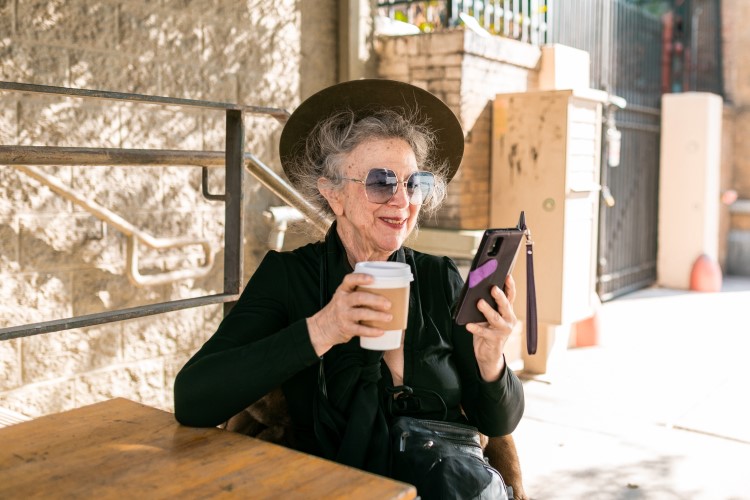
<point>300,340</point>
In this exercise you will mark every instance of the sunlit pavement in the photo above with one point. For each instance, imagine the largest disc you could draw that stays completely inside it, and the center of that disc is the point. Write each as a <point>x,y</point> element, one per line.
<point>660,408</point>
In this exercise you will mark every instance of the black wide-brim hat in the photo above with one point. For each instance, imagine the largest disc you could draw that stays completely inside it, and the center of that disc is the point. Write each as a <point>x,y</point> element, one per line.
<point>363,97</point>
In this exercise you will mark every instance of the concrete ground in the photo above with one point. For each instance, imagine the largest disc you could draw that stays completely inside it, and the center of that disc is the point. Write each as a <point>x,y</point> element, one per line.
<point>659,409</point>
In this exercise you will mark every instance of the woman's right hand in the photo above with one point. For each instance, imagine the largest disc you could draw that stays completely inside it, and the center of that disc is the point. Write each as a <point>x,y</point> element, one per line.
<point>341,318</point>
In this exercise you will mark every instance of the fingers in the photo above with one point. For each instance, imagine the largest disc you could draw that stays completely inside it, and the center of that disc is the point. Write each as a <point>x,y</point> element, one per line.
<point>351,307</point>
<point>502,319</point>
<point>356,297</point>
<point>510,289</point>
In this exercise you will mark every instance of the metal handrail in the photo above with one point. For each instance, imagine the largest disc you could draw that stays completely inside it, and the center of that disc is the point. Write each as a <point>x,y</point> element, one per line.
<point>51,155</point>
<point>133,234</point>
<point>234,159</point>
<point>281,115</point>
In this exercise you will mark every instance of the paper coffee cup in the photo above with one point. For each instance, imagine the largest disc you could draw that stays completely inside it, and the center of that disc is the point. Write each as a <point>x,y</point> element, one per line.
<point>391,280</point>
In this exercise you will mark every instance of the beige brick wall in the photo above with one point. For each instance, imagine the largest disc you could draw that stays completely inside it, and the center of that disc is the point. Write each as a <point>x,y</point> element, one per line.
<point>56,260</point>
<point>736,62</point>
<point>466,71</point>
<point>736,162</point>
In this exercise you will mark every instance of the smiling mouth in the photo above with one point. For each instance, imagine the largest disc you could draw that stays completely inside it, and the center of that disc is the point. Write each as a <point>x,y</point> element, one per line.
<point>393,222</point>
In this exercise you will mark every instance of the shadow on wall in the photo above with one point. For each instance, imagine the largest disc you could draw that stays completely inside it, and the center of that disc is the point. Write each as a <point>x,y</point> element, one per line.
<point>53,283</point>
<point>319,59</point>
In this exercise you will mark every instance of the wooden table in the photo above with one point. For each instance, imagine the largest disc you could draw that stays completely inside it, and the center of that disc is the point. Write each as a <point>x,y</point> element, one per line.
<point>122,449</point>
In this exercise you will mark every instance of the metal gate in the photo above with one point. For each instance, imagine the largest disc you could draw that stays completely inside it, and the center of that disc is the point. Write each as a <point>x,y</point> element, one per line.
<point>625,46</point>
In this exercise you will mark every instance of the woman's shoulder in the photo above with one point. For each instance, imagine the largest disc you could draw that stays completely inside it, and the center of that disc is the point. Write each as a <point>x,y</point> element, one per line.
<point>302,256</point>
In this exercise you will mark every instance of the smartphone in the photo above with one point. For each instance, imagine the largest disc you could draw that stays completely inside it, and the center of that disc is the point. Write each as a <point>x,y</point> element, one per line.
<point>491,265</point>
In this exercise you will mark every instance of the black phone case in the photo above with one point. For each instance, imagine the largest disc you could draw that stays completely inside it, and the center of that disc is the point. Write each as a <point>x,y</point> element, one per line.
<point>492,263</point>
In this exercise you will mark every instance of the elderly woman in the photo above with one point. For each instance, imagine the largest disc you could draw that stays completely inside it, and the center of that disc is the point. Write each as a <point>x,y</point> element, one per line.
<point>377,155</point>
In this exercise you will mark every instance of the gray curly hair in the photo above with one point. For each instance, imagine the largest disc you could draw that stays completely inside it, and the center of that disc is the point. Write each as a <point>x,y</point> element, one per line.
<point>338,135</point>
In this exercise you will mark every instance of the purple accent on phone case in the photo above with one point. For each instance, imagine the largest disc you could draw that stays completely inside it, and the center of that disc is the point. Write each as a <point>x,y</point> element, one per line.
<point>482,272</point>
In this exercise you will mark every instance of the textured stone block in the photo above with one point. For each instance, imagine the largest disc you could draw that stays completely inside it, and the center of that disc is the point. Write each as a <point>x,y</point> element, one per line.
<point>95,290</point>
<point>180,39</point>
<point>149,127</point>
<point>90,69</point>
<point>196,6</point>
<point>8,119</point>
<point>48,121</point>
<point>171,223</point>
<point>181,189</point>
<point>6,19</point>
<point>68,353</point>
<point>97,124</point>
<point>213,132</point>
<point>23,62</point>
<point>220,86</point>
<point>180,79</point>
<point>9,244</point>
<point>242,12</point>
<point>55,242</point>
<point>10,364</point>
<point>161,335</point>
<point>48,22</point>
<point>41,399</point>
<point>212,316</point>
<point>99,29</point>
<point>140,381</point>
<point>32,297</point>
<point>121,189</point>
<point>138,30</point>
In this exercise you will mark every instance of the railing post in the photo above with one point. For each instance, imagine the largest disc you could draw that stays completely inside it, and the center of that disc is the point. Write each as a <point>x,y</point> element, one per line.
<point>452,6</point>
<point>234,206</point>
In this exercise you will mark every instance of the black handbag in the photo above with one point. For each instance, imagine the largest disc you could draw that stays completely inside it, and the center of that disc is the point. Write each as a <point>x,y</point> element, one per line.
<point>443,460</point>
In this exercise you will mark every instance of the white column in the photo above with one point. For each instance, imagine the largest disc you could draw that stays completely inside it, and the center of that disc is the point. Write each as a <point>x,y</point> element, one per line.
<point>688,184</point>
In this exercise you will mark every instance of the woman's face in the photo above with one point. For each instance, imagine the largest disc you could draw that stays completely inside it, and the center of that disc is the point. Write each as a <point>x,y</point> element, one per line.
<point>372,231</point>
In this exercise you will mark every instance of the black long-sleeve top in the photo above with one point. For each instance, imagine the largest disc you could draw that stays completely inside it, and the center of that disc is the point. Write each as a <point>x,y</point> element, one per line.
<point>264,342</point>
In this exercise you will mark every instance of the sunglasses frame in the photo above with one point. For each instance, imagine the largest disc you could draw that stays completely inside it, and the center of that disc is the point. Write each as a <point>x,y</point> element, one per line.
<point>395,185</point>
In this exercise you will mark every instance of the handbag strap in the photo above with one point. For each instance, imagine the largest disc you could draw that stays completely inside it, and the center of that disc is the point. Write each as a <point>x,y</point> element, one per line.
<point>402,396</point>
<point>531,319</point>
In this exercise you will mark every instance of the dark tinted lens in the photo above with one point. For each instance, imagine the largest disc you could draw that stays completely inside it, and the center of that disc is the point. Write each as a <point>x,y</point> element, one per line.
<point>380,185</point>
<point>419,185</point>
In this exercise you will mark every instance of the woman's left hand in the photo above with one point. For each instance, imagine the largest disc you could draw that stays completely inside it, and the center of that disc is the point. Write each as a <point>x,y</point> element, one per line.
<point>490,336</point>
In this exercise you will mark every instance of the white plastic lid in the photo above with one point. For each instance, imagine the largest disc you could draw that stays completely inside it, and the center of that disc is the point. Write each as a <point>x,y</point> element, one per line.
<point>388,270</point>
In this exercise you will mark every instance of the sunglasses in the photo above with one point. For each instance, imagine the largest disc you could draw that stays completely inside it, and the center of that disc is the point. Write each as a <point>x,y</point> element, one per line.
<point>381,185</point>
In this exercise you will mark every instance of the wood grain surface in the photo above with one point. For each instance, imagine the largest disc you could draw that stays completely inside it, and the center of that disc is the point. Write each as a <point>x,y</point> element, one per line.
<point>123,449</point>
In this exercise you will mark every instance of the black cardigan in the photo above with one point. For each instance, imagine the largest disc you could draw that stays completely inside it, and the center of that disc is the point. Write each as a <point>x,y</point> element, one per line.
<point>263,343</point>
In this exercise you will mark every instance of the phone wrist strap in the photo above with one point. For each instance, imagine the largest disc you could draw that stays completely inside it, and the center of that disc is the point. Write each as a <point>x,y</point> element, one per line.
<point>531,320</point>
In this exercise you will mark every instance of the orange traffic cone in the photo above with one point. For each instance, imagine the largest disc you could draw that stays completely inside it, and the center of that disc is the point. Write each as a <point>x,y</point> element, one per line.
<point>705,275</point>
<point>587,332</point>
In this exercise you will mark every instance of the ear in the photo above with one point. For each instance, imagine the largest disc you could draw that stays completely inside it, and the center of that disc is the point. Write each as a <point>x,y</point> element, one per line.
<point>333,196</point>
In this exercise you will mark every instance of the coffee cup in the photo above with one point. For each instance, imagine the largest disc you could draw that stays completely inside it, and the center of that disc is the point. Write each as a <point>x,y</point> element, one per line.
<point>391,280</point>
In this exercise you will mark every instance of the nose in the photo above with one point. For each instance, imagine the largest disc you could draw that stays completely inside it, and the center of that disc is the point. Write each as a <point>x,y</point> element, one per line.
<point>400,197</point>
